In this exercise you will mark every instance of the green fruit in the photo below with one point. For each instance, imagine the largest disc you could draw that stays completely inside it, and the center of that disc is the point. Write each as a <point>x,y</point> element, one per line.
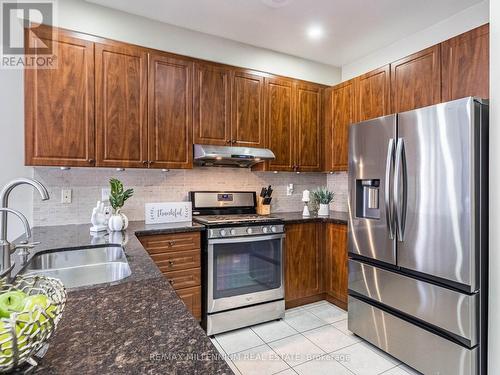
<point>6,341</point>
<point>31,304</point>
<point>10,302</point>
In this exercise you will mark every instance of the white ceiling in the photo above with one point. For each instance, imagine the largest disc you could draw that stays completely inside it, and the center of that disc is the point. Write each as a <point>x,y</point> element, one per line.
<point>352,28</point>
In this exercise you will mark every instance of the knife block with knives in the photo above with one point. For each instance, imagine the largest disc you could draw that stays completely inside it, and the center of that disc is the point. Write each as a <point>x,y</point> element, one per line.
<point>264,201</point>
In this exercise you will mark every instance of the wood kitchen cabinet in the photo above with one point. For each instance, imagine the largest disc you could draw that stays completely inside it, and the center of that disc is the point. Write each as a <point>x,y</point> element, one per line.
<point>170,96</point>
<point>416,80</point>
<point>59,104</point>
<point>303,264</point>
<point>341,103</point>
<point>178,257</point>
<point>308,128</point>
<point>465,65</point>
<point>121,105</point>
<point>280,120</point>
<point>212,104</point>
<point>372,92</point>
<point>336,264</point>
<point>247,126</point>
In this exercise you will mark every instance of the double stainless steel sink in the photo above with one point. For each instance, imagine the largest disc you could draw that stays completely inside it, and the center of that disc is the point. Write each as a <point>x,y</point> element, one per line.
<point>81,267</point>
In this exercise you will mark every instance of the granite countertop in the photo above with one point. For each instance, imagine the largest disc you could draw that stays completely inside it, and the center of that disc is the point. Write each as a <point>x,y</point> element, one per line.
<point>135,325</point>
<point>336,217</point>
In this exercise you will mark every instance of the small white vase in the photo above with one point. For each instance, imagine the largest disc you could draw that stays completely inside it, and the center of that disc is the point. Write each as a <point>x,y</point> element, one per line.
<point>118,222</point>
<point>324,209</point>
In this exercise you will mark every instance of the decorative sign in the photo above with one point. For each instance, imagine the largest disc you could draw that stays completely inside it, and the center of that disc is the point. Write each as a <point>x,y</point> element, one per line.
<point>170,212</point>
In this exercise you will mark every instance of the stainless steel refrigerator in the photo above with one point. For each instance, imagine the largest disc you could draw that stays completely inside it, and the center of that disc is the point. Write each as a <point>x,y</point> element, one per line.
<point>418,185</point>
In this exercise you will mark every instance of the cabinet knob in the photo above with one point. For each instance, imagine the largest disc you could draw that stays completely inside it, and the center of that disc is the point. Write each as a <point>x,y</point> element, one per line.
<point>171,263</point>
<point>145,162</point>
<point>233,141</point>
<point>228,141</point>
<point>171,243</point>
<point>91,161</point>
<point>171,281</point>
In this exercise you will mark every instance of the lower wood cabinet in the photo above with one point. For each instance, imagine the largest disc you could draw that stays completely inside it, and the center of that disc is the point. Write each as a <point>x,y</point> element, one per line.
<point>178,256</point>
<point>303,276</point>
<point>316,264</point>
<point>336,265</point>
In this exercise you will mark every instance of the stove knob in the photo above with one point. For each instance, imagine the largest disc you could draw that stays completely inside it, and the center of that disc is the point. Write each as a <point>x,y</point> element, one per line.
<point>265,230</point>
<point>233,232</point>
<point>274,229</point>
<point>223,232</point>
<point>249,230</point>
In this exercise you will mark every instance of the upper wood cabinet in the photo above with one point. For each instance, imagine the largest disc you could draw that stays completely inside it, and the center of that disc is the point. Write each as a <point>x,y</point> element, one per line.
<point>121,105</point>
<point>247,128</point>
<point>212,104</point>
<point>303,262</point>
<point>465,65</point>
<point>308,129</point>
<point>341,100</point>
<point>280,121</point>
<point>59,104</point>
<point>170,96</point>
<point>416,80</point>
<point>335,266</point>
<point>373,94</point>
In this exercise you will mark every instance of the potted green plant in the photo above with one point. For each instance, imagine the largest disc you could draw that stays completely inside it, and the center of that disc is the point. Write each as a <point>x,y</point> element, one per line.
<point>118,221</point>
<point>323,197</point>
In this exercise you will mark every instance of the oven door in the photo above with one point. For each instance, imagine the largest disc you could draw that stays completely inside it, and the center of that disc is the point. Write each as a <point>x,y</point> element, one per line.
<point>244,271</point>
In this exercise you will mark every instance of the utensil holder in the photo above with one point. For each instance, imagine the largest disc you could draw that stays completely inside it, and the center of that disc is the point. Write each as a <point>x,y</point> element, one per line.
<point>263,209</point>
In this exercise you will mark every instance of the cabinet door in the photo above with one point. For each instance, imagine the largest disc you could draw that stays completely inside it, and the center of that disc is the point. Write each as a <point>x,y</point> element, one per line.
<point>192,299</point>
<point>280,122</point>
<point>121,105</point>
<point>465,64</point>
<point>170,97</point>
<point>343,102</point>
<point>308,129</point>
<point>336,270</point>
<point>212,102</point>
<point>372,94</point>
<point>59,103</point>
<point>247,128</point>
<point>302,262</point>
<point>416,80</point>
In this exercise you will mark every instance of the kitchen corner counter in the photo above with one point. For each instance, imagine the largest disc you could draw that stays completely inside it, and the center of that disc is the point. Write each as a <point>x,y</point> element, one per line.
<point>135,325</point>
<point>335,217</point>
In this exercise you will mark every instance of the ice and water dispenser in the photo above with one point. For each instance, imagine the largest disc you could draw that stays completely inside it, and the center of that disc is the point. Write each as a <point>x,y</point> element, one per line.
<point>368,199</point>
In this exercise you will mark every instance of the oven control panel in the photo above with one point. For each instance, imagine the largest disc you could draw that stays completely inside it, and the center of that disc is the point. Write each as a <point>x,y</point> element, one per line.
<point>254,230</point>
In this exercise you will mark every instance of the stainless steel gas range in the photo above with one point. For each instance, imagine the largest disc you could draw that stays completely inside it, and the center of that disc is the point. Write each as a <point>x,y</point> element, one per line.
<point>242,261</point>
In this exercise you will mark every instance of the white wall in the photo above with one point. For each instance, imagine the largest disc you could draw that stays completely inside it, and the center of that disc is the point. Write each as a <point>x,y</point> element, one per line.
<point>469,18</point>
<point>494,206</point>
<point>94,19</point>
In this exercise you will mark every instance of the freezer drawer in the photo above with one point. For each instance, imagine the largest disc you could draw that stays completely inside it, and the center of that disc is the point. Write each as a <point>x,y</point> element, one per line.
<point>426,352</point>
<point>444,308</point>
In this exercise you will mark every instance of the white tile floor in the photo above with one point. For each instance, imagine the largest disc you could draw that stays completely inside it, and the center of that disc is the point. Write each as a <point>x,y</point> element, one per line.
<point>310,340</point>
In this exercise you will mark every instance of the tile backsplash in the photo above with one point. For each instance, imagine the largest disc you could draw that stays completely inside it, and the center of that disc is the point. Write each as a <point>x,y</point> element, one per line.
<point>337,182</point>
<point>158,186</point>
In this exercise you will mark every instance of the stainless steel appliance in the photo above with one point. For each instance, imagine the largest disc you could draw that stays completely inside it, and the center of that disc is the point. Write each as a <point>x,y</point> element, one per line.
<point>418,236</point>
<point>230,156</point>
<point>242,261</point>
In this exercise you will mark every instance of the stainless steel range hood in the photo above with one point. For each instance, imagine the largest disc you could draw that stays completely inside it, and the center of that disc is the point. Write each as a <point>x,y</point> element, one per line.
<point>224,156</point>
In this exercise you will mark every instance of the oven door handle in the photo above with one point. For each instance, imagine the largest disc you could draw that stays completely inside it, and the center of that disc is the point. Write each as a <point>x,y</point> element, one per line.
<point>246,239</point>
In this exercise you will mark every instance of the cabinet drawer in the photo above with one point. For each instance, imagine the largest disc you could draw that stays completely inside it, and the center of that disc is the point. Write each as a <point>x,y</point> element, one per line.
<point>171,242</point>
<point>177,261</point>
<point>192,299</point>
<point>184,279</point>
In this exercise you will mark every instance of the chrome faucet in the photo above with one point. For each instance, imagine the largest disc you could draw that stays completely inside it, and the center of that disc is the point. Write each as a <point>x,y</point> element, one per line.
<point>5,247</point>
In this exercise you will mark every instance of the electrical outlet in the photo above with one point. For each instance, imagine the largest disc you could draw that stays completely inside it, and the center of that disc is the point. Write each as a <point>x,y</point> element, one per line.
<point>66,195</point>
<point>105,193</point>
<point>289,189</point>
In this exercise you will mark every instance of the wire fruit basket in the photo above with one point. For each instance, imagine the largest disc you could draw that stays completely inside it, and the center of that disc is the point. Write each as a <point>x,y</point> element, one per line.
<point>25,332</point>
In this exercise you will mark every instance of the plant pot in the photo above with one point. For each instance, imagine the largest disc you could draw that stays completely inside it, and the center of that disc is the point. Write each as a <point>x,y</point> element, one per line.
<point>118,222</point>
<point>324,209</point>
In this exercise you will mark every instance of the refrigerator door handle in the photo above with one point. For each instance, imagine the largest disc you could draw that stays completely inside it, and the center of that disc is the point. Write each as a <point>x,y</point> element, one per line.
<point>388,203</point>
<point>400,189</point>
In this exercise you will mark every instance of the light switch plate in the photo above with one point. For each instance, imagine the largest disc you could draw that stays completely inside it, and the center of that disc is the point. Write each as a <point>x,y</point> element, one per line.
<point>66,196</point>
